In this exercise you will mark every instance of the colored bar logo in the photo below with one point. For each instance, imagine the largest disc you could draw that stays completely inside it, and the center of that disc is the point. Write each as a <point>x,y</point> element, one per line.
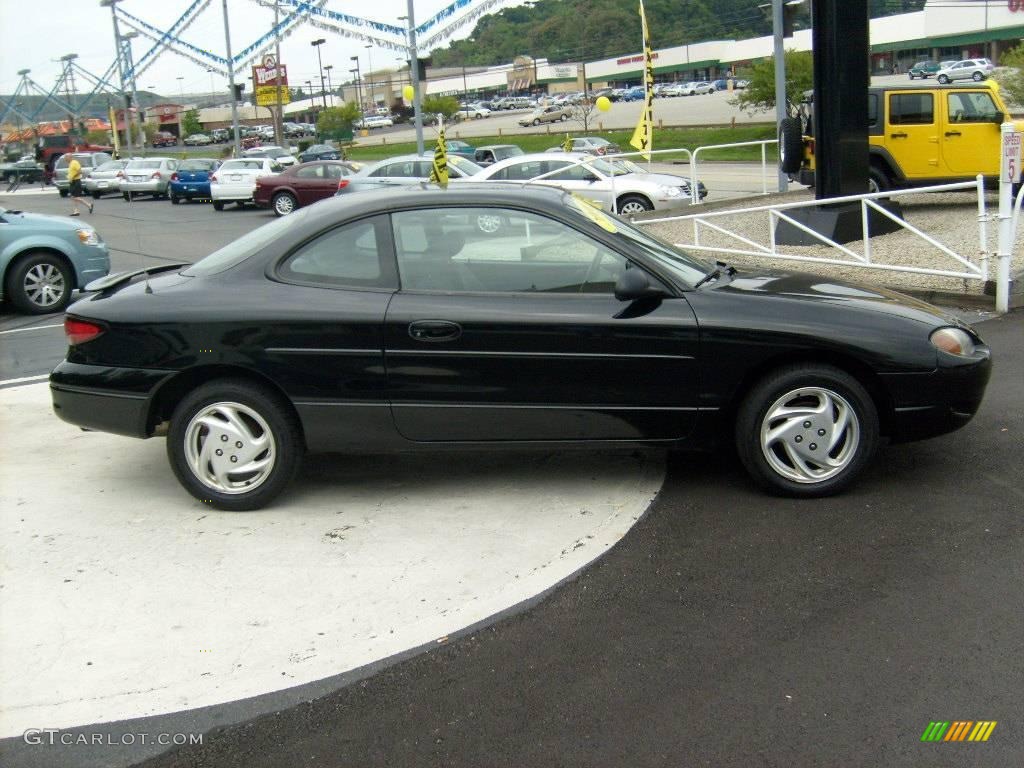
<point>959,730</point>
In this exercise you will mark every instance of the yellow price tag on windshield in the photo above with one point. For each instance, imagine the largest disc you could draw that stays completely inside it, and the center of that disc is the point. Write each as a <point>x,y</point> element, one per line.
<point>592,210</point>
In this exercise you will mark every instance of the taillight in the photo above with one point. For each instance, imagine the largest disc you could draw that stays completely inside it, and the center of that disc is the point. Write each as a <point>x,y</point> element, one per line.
<point>213,178</point>
<point>155,175</point>
<point>81,331</point>
<point>343,183</point>
<point>174,177</point>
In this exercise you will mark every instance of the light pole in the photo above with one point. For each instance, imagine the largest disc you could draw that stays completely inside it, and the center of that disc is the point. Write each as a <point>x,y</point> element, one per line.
<point>330,88</point>
<point>120,67</point>
<point>130,74</point>
<point>213,92</point>
<point>359,83</point>
<point>316,44</point>
<point>414,75</point>
<point>231,81</point>
<point>369,74</point>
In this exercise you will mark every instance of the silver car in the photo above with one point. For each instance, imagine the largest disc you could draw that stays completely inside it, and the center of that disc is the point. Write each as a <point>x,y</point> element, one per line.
<point>629,187</point>
<point>105,179</point>
<point>148,176</point>
<point>968,69</point>
<point>89,161</point>
<point>550,114</point>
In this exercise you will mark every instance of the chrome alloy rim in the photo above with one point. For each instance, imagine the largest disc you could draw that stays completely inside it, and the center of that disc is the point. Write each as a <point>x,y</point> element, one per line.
<point>229,448</point>
<point>632,207</point>
<point>810,434</point>
<point>488,223</point>
<point>284,204</point>
<point>44,285</point>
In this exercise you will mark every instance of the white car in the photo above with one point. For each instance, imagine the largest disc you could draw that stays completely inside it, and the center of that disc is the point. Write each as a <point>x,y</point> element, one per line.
<point>374,121</point>
<point>280,155</point>
<point>235,180</point>
<point>472,112</point>
<point>968,69</point>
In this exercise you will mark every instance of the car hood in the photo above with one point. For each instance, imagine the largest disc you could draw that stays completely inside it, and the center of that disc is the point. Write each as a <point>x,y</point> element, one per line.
<point>42,221</point>
<point>801,286</point>
<point>662,179</point>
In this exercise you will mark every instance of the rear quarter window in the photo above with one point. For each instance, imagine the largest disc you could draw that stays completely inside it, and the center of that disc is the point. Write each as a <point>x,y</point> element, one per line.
<point>911,108</point>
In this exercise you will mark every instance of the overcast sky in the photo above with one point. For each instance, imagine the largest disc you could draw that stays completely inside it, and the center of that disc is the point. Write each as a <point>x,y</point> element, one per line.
<point>35,36</point>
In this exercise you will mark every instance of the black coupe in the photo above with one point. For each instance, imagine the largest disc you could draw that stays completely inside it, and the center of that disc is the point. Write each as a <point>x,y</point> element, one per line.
<point>405,318</point>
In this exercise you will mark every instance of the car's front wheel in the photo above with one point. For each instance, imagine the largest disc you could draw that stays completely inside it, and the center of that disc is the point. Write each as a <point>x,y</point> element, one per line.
<point>943,79</point>
<point>40,283</point>
<point>977,77</point>
<point>536,121</point>
<point>218,205</point>
<point>807,430</point>
<point>234,444</point>
<point>284,203</point>
<point>630,205</point>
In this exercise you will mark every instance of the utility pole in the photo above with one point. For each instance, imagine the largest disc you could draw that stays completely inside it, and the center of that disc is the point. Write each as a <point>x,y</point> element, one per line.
<point>369,74</point>
<point>279,111</point>
<point>231,81</point>
<point>778,29</point>
<point>130,75</point>
<point>414,74</point>
<point>120,70</point>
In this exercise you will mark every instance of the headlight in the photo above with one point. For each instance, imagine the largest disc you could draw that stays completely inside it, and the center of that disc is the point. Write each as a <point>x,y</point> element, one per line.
<point>669,191</point>
<point>954,341</point>
<point>88,236</point>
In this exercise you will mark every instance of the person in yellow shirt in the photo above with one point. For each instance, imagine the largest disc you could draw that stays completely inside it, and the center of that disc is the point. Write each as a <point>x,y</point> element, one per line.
<point>75,181</point>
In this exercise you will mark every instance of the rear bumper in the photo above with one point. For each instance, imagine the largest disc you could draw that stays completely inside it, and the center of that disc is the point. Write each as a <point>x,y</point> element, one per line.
<point>145,187</point>
<point>232,191</point>
<point>938,402</point>
<point>105,399</point>
<point>190,188</point>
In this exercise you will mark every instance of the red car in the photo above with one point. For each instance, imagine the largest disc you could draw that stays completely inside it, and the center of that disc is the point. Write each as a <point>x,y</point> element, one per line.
<point>302,184</point>
<point>164,139</point>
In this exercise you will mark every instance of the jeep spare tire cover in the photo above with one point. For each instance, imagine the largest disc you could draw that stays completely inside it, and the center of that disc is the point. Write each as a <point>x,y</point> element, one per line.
<point>791,145</point>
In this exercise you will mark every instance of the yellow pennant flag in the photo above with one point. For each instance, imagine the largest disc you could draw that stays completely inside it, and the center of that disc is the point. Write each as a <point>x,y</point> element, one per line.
<point>567,144</point>
<point>643,136</point>
<point>439,171</point>
<point>113,130</point>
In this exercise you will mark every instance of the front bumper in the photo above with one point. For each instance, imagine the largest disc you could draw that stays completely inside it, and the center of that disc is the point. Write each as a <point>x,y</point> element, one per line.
<point>940,401</point>
<point>105,399</point>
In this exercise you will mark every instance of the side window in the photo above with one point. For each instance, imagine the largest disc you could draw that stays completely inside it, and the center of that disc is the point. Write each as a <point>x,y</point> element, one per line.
<point>310,172</point>
<point>972,107</point>
<point>911,108</point>
<point>577,172</point>
<point>352,256</point>
<point>386,170</point>
<point>872,110</point>
<point>497,250</point>
<point>524,171</point>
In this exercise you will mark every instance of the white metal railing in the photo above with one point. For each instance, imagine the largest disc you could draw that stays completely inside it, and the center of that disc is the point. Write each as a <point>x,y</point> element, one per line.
<point>775,213</point>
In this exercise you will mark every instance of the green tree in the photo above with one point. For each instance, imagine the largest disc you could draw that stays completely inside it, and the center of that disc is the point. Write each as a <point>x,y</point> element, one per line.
<point>760,94</point>
<point>1011,79</point>
<point>446,105</point>
<point>190,122</point>
<point>337,120</point>
<point>101,137</point>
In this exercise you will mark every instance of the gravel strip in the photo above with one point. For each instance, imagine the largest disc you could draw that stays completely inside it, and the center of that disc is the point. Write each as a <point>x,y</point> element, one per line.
<point>950,217</point>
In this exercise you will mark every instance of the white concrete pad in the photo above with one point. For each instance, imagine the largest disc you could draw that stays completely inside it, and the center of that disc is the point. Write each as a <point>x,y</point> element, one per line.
<point>121,596</point>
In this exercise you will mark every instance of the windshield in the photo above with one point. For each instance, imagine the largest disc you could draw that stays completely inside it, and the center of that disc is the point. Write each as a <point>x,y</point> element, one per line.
<point>197,165</point>
<point>689,269</point>
<point>242,165</point>
<point>112,165</point>
<point>138,164</point>
<point>468,167</point>
<point>615,167</point>
<point>278,152</point>
<point>248,244</point>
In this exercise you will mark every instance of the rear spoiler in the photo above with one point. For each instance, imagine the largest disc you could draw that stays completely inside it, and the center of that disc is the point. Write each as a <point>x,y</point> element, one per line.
<point>118,278</point>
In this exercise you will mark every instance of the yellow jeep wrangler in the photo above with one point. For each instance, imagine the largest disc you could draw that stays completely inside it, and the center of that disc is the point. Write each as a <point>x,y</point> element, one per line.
<point>918,134</point>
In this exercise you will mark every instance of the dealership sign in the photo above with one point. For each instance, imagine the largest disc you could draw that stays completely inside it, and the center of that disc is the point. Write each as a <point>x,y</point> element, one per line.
<point>270,82</point>
<point>1015,6</point>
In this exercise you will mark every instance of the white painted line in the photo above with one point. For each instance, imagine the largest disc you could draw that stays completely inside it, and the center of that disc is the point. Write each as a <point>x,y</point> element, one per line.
<point>24,379</point>
<point>124,597</point>
<point>33,328</point>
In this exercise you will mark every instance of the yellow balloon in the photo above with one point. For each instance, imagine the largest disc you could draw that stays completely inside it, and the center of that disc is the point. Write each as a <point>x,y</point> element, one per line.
<point>603,104</point>
<point>407,92</point>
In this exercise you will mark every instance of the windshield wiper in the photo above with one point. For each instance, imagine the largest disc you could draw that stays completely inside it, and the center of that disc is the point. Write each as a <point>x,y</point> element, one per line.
<point>712,275</point>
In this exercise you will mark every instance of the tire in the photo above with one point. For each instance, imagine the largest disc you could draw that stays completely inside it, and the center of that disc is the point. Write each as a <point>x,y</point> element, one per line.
<point>127,196</point>
<point>536,121</point>
<point>62,192</point>
<point>910,76</point>
<point>783,416</point>
<point>489,224</point>
<point>977,77</point>
<point>242,417</point>
<point>284,203</point>
<point>96,195</point>
<point>878,179</point>
<point>40,283</point>
<point>175,200</point>
<point>563,118</point>
<point>791,145</point>
<point>630,205</point>
<point>943,79</point>
<point>218,205</point>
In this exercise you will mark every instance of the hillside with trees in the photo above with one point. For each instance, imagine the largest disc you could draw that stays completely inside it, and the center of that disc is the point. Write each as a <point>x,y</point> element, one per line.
<point>568,30</point>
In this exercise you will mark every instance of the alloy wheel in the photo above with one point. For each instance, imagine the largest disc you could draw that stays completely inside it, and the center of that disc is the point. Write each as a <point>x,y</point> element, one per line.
<point>229,448</point>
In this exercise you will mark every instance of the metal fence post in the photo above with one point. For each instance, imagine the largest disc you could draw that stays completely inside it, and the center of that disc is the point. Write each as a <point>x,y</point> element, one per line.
<point>1009,172</point>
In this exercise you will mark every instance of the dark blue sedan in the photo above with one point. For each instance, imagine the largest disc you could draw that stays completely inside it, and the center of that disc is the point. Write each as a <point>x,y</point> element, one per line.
<point>192,180</point>
<point>320,152</point>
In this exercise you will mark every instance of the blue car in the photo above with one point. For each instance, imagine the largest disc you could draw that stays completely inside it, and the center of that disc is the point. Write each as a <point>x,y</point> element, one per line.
<point>192,180</point>
<point>635,93</point>
<point>43,259</point>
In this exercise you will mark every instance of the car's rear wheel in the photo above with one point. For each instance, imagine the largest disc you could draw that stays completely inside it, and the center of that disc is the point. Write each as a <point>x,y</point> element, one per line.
<point>536,121</point>
<point>96,195</point>
<point>807,430</point>
<point>489,223</point>
<point>878,180</point>
<point>175,200</point>
<point>630,205</point>
<point>977,77</point>
<point>943,79</point>
<point>40,283</point>
<point>218,205</point>
<point>234,444</point>
<point>63,192</point>
<point>284,203</point>
<point>127,196</point>
<point>791,145</point>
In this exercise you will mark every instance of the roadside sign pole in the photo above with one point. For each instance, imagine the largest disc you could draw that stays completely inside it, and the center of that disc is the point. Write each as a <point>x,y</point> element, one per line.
<point>231,81</point>
<point>414,74</point>
<point>781,111</point>
<point>1009,174</point>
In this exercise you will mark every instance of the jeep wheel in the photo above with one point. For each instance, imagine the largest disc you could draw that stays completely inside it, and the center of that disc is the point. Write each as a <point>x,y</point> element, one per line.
<point>878,180</point>
<point>791,145</point>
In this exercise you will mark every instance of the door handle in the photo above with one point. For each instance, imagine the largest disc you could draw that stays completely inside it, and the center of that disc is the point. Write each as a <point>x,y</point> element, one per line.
<point>434,330</point>
<point>953,133</point>
<point>897,135</point>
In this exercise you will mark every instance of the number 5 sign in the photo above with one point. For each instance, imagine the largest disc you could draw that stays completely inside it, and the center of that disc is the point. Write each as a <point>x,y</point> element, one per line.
<point>1011,169</point>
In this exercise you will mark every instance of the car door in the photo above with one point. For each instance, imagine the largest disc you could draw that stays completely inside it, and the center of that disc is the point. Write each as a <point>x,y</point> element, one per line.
<point>912,132</point>
<point>971,136</point>
<point>516,335</point>
<point>308,183</point>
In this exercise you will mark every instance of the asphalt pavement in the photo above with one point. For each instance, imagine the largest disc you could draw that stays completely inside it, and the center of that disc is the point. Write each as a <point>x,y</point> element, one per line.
<point>729,628</point>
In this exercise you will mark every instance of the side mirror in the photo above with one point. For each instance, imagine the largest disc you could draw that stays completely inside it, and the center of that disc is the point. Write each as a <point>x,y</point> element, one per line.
<point>590,177</point>
<point>634,284</point>
<point>999,118</point>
